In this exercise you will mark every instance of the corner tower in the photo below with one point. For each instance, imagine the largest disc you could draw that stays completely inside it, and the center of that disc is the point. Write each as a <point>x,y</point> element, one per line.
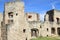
<point>13,10</point>
<point>14,21</point>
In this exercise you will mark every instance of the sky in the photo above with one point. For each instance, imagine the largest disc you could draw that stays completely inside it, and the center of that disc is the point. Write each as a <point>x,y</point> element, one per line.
<point>38,6</point>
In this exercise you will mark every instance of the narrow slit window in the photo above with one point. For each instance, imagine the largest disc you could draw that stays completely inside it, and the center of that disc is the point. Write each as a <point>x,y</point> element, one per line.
<point>47,29</point>
<point>58,21</point>
<point>24,30</point>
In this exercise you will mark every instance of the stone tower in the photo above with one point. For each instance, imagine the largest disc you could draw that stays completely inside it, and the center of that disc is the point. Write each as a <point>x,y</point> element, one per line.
<point>14,21</point>
<point>13,10</point>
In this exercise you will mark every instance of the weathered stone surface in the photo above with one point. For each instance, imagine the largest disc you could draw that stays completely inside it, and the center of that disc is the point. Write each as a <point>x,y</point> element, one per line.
<point>15,25</point>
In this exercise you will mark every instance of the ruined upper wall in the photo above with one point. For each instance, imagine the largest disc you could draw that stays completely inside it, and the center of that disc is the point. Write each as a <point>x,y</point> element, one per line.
<point>49,15</point>
<point>52,15</point>
<point>32,16</point>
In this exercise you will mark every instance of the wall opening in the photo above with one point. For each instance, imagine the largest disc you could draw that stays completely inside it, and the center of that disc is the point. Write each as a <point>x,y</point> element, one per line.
<point>34,32</point>
<point>10,21</point>
<point>58,21</point>
<point>47,29</point>
<point>10,14</point>
<point>29,16</point>
<point>53,30</point>
<point>16,14</point>
<point>26,38</point>
<point>47,35</point>
<point>24,30</point>
<point>58,31</point>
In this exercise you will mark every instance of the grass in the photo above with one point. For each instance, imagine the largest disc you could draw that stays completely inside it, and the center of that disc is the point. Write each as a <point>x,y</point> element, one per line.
<point>46,38</point>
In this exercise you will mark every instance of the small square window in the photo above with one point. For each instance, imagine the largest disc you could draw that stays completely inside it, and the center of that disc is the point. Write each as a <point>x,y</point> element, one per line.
<point>29,16</point>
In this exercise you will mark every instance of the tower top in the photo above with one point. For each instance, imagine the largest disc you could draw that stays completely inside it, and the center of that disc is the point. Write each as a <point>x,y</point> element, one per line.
<point>14,0</point>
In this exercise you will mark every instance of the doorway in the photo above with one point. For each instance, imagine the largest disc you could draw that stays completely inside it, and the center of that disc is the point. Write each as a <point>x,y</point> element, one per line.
<point>53,30</point>
<point>58,31</point>
<point>34,32</point>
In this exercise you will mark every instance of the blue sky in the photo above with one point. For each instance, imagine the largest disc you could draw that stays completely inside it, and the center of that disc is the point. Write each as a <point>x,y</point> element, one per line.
<point>38,6</point>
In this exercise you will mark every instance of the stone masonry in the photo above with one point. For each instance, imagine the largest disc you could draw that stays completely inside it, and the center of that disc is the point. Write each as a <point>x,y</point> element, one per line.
<point>15,24</point>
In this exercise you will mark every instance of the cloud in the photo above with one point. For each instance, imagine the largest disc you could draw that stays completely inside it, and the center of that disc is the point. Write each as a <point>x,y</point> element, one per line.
<point>42,17</point>
<point>53,7</point>
<point>42,14</point>
<point>54,3</point>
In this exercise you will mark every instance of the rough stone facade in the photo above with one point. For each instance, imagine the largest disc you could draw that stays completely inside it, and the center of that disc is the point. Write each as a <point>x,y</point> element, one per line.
<point>52,23</point>
<point>15,24</point>
<point>1,18</point>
